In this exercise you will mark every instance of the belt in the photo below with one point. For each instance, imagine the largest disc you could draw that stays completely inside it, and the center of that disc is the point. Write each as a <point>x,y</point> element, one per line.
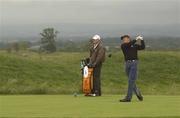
<point>131,60</point>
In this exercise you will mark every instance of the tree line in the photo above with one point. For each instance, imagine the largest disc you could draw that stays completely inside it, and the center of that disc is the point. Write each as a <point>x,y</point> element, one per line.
<point>49,42</point>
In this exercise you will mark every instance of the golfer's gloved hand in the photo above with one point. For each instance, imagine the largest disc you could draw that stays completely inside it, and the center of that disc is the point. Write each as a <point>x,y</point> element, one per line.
<point>139,37</point>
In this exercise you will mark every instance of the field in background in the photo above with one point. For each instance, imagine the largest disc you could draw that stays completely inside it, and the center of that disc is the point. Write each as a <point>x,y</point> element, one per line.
<point>59,73</point>
<point>57,106</point>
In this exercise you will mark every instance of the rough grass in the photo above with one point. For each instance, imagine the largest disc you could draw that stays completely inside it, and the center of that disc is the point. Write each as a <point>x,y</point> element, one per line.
<point>68,106</point>
<point>59,73</point>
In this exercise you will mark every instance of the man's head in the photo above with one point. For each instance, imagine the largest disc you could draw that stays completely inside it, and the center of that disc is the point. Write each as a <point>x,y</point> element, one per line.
<point>96,39</point>
<point>126,39</point>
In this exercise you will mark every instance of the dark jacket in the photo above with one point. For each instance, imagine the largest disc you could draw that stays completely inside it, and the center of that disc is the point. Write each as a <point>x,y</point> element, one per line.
<point>97,55</point>
<point>130,50</point>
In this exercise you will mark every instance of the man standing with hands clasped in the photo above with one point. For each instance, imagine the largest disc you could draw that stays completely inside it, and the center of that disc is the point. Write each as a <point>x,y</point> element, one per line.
<point>97,57</point>
<point>130,50</point>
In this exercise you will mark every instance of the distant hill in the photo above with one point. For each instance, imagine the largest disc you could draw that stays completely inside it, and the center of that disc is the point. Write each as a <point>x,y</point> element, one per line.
<point>74,31</point>
<point>152,43</point>
<point>158,37</point>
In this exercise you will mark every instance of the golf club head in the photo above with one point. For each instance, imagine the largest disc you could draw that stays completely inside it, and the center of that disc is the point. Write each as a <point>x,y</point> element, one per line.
<point>110,55</point>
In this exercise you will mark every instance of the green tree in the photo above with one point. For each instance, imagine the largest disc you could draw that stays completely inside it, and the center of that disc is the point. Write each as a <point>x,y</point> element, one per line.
<point>48,42</point>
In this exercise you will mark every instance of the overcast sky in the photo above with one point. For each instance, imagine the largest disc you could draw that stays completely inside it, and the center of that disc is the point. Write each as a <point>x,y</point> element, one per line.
<point>90,11</point>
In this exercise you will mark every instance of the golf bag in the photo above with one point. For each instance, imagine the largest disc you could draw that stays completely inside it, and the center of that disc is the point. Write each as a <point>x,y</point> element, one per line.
<point>87,77</point>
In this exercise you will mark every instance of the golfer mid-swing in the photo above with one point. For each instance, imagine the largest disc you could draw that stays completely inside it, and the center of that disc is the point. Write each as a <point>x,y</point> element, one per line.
<point>130,51</point>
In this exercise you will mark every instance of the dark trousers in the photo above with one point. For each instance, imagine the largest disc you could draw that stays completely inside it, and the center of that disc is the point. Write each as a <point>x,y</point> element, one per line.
<point>131,71</point>
<point>97,81</point>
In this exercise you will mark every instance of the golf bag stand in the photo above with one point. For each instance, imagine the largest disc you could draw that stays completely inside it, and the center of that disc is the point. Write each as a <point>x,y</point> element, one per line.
<point>87,77</point>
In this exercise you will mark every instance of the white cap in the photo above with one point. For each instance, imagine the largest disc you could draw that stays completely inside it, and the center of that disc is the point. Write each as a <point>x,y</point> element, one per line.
<point>96,37</point>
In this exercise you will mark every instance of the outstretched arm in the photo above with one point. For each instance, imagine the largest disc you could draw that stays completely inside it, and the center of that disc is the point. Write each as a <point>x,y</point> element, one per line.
<point>142,46</point>
<point>126,45</point>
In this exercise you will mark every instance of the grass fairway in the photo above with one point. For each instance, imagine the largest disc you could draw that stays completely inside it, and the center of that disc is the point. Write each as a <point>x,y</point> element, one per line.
<point>106,106</point>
